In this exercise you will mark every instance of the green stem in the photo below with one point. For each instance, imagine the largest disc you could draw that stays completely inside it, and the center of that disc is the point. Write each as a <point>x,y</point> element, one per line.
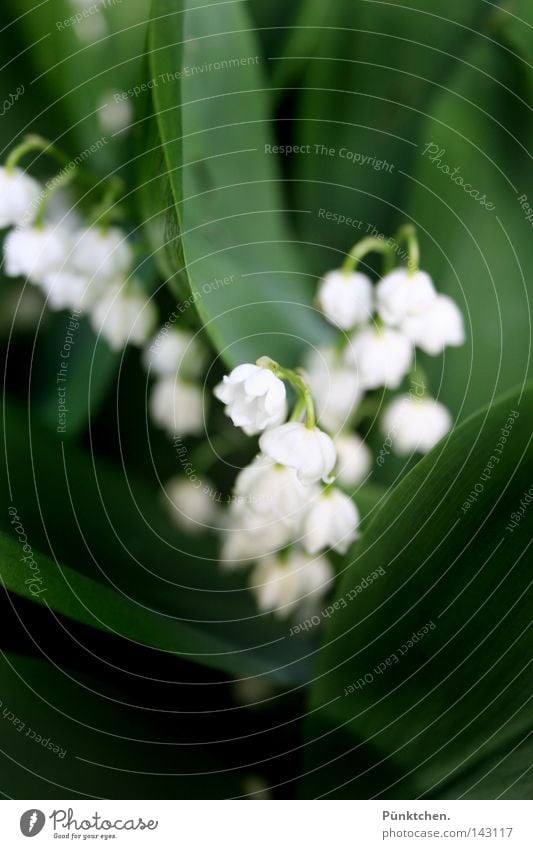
<point>365,246</point>
<point>305,399</point>
<point>407,234</point>
<point>418,382</point>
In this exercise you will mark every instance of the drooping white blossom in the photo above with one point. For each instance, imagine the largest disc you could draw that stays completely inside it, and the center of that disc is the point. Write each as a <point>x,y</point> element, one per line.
<point>254,397</point>
<point>177,407</point>
<point>401,294</point>
<point>248,537</point>
<point>334,386</point>
<point>331,522</point>
<point>381,355</point>
<point>441,325</point>
<point>19,198</point>
<point>174,351</point>
<point>124,316</point>
<point>354,459</point>
<point>346,299</point>
<point>115,112</point>
<point>415,424</point>
<point>66,290</point>
<point>281,585</point>
<point>309,451</point>
<point>272,492</point>
<point>34,252</point>
<point>191,504</point>
<point>102,253</point>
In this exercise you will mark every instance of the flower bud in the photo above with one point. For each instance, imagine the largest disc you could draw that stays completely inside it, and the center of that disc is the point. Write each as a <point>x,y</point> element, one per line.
<point>354,459</point>
<point>441,325</point>
<point>334,386</point>
<point>381,356</point>
<point>415,424</point>
<point>19,198</point>
<point>177,406</point>
<point>34,252</point>
<point>281,585</point>
<point>346,299</point>
<point>401,294</point>
<point>124,316</point>
<point>332,522</point>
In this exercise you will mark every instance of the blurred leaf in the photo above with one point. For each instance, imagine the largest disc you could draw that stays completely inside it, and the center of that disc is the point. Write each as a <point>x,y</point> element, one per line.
<point>69,734</point>
<point>114,529</point>
<point>245,279</point>
<point>370,82</point>
<point>476,253</point>
<point>396,719</point>
<point>81,58</point>
<point>89,368</point>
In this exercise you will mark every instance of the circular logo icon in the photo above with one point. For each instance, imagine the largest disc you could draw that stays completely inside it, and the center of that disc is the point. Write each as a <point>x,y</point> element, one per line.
<point>32,822</point>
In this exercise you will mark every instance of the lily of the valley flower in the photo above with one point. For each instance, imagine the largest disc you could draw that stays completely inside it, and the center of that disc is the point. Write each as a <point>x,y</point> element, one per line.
<point>124,316</point>
<point>272,491</point>
<point>104,253</point>
<point>354,459</point>
<point>254,397</point>
<point>332,522</point>
<point>190,504</point>
<point>34,252</point>
<point>381,355</point>
<point>308,450</point>
<point>175,351</point>
<point>440,325</point>
<point>402,294</point>
<point>346,298</point>
<point>19,196</point>
<point>335,387</point>
<point>282,585</point>
<point>415,424</point>
<point>177,406</point>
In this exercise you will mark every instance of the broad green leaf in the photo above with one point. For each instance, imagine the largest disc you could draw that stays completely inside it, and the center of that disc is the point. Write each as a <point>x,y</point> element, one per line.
<point>69,734</point>
<point>400,717</point>
<point>478,250</point>
<point>371,79</point>
<point>245,278</point>
<point>113,531</point>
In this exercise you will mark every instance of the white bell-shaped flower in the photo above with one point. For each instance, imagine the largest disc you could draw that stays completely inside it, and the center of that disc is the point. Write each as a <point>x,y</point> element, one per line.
<point>66,290</point>
<point>272,491</point>
<point>191,504</point>
<point>346,299</point>
<point>34,252</point>
<point>19,198</point>
<point>309,451</point>
<point>124,316</point>
<point>334,386</point>
<point>177,407</point>
<point>401,294</point>
<point>382,357</point>
<point>415,424</point>
<point>248,537</point>
<point>331,522</point>
<point>354,459</point>
<point>281,585</point>
<point>441,325</point>
<point>254,397</point>
<point>175,351</point>
<point>103,253</point>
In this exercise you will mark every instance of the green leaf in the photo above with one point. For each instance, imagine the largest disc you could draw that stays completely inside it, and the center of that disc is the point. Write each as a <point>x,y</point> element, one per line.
<point>66,733</point>
<point>73,371</point>
<point>477,250</point>
<point>81,59</point>
<point>115,531</point>
<point>400,716</point>
<point>245,277</point>
<point>371,79</point>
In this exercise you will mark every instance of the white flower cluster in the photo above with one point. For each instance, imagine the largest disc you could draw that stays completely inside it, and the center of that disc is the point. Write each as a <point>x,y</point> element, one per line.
<point>88,268</point>
<point>76,265</point>
<point>386,323</point>
<point>286,512</point>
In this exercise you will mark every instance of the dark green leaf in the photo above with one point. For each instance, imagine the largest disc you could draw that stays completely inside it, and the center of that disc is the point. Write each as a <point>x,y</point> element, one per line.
<point>246,280</point>
<point>450,549</point>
